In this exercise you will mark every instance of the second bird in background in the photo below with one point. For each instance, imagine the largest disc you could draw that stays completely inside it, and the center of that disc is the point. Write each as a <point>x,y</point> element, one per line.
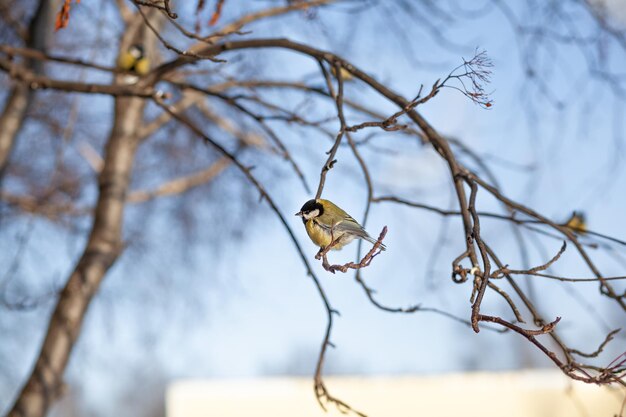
<point>345,74</point>
<point>577,222</point>
<point>134,60</point>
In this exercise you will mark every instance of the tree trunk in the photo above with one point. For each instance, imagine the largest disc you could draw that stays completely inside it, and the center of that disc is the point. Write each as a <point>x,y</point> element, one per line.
<point>103,248</point>
<point>10,122</point>
<point>14,112</point>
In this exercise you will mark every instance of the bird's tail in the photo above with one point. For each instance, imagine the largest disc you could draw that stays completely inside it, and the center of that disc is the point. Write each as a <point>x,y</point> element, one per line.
<point>373,241</point>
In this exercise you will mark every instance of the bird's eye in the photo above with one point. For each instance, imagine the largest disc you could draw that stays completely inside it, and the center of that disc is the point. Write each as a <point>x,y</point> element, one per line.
<point>311,214</point>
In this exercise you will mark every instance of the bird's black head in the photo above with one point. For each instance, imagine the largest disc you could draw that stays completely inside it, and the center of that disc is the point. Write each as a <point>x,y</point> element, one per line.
<point>311,209</point>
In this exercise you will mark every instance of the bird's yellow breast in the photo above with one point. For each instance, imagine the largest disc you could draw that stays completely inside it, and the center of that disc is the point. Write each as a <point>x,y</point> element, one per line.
<point>321,237</point>
<point>345,74</point>
<point>142,67</point>
<point>126,61</point>
<point>318,235</point>
<point>577,224</point>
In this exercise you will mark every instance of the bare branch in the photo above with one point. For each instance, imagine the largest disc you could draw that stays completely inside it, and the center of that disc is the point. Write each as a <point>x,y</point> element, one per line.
<point>365,262</point>
<point>180,185</point>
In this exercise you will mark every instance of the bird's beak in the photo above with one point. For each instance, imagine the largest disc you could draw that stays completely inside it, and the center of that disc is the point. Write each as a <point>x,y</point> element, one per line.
<point>299,214</point>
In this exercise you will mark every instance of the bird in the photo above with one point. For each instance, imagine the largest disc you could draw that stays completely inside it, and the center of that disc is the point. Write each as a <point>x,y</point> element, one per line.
<point>326,223</point>
<point>577,222</point>
<point>345,74</point>
<point>134,60</point>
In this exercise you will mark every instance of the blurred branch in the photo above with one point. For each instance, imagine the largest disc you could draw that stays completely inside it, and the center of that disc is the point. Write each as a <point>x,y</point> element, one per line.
<point>7,13</point>
<point>188,100</point>
<point>233,102</point>
<point>41,206</point>
<point>228,126</point>
<point>125,13</point>
<point>163,41</point>
<point>38,82</point>
<point>180,185</point>
<point>164,7</point>
<point>38,55</point>
<point>236,26</point>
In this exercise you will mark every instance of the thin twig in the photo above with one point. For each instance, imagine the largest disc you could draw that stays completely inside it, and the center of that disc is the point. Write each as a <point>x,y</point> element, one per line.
<point>365,262</point>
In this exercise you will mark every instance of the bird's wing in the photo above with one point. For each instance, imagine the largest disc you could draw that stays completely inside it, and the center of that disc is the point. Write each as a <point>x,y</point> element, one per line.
<point>322,225</point>
<point>351,226</point>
